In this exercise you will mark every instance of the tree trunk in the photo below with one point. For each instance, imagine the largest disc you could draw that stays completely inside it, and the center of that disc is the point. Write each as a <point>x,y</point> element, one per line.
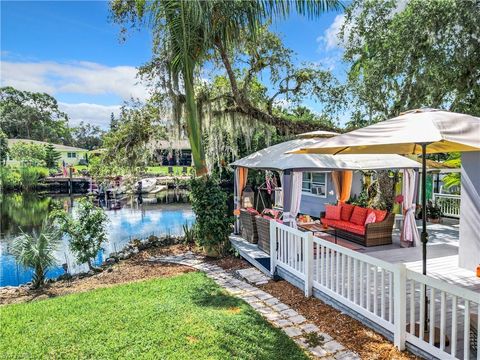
<point>244,106</point>
<point>193,127</point>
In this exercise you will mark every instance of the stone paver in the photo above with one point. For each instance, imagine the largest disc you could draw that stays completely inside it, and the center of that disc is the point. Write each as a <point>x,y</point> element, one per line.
<point>276,312</point>
<point>253,276</point>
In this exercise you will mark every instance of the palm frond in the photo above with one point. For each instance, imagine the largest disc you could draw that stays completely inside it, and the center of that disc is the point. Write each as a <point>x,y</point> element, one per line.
<point>36,250</point>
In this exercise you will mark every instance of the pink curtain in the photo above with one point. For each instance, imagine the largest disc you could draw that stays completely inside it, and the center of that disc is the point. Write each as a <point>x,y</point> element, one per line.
<point>409,236</point>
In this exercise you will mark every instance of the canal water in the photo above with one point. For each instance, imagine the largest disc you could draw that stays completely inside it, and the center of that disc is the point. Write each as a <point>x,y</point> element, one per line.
<point>133,218</point>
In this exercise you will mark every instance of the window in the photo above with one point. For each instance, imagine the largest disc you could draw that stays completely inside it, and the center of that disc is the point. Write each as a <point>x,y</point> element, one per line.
<point>315,183</point>
<point>72,155</point>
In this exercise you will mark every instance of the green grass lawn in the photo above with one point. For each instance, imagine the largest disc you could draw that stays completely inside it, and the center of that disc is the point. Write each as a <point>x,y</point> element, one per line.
<point>183,317</point>
<point>163,170</point>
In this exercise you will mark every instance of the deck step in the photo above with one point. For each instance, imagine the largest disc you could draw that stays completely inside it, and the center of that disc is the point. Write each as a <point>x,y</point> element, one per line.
<point>250,252</point>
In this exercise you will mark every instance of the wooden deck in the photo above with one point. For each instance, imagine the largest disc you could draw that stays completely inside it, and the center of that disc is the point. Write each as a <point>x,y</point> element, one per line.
<point>442,264</point>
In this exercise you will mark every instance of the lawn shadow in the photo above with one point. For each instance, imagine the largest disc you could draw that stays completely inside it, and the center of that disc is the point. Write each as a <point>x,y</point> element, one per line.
<point>213,296</point>
<point>246,335</point>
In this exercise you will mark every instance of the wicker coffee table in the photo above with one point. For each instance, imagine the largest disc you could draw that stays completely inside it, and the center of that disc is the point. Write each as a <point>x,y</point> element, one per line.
<point>318,228</point>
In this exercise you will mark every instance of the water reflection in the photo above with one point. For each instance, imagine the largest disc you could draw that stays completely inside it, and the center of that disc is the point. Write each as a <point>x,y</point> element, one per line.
<point>129,217</point>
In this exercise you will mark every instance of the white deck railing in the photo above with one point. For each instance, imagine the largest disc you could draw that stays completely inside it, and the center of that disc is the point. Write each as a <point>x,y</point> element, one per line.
<point>449,204</point>
<point>387,294</point>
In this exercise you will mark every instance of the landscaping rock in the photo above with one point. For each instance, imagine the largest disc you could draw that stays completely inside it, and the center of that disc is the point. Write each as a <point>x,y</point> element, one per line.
<point>153,238</point>
<point>111,261</point>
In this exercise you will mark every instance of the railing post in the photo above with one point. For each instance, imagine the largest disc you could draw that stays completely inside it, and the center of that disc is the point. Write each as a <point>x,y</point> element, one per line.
<point>308,264</point>
<point>400,306</point>
<point>273,246</point>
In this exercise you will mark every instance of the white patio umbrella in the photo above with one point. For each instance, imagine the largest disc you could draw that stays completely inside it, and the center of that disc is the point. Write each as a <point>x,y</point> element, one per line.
<point>317,134</point>
<point>423,131</point>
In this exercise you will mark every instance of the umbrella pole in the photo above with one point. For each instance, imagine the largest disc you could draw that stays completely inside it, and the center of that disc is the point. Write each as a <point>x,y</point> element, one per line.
<point>424,235</point>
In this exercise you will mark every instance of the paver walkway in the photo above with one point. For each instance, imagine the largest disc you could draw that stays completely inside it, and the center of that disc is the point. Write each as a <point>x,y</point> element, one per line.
<point>305,334</point>
<point>253,276</point>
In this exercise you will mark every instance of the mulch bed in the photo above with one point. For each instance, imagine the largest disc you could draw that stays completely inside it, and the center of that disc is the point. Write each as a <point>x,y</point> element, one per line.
<point>137,268</point>
<point>346,330</point>
<point>230,263</point>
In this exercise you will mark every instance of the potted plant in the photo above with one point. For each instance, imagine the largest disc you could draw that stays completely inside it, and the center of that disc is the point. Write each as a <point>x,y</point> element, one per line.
<point>434,213</point>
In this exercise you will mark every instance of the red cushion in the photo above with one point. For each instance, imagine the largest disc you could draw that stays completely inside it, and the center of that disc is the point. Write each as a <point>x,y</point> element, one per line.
<point>345,225</point>
<point>252,211</point>
<point>333,212</point>
<point>347,210</point>
<point>353,228</point>
<point>359,215</point>
<point>380,215</point>
<point>330,222</point>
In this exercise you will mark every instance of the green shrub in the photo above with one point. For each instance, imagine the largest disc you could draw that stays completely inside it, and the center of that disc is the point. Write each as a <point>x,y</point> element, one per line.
<point>29,177</point>
<point>9,178</point>
<point>86,230</point>
<point>212,224</point>
<point>42,172</point>
<point>189,234</point>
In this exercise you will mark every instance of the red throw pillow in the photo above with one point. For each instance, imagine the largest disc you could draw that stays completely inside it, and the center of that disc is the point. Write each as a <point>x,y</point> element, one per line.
<point>347,210</point>
<point>359,215</point>
<point>332,212</point>
<point>380,215</point>
<point>370,218</point>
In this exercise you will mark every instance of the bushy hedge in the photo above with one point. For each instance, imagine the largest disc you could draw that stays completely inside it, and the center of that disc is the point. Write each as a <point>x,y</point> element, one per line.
<point>25,177</point>
<point>213,223</point>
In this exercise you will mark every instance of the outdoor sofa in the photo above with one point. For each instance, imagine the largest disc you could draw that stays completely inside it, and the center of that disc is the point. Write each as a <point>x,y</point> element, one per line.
<point>350,223</point>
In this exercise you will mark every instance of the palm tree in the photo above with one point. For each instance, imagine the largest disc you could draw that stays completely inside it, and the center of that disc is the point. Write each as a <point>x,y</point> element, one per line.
<point>191,29</point>
<point>36,250</point>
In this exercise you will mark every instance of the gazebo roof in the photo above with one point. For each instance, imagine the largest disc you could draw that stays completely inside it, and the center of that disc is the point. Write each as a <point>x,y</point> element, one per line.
<point>275,158</point>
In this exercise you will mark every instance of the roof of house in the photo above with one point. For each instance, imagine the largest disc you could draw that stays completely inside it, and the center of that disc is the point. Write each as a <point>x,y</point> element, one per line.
<point>58,147</point>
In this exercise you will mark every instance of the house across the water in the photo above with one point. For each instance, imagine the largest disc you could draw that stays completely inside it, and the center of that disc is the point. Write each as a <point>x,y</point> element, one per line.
<point>71,155</point>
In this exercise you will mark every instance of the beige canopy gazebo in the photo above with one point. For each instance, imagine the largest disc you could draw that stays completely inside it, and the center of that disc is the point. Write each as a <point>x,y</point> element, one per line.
<point>291,166</point>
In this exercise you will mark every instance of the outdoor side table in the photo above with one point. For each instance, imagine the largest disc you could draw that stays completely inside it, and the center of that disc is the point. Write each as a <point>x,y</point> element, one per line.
<point>319,228</point>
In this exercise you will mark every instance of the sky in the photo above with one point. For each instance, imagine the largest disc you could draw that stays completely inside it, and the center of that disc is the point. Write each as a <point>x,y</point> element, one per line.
<point>72,51</point>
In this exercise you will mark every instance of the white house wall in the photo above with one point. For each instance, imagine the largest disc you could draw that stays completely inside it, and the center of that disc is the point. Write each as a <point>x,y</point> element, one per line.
<point>312,204</point>
<point>469,243</point>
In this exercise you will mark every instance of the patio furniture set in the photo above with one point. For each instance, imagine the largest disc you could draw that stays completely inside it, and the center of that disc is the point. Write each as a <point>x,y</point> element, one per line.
<point>350,222</point>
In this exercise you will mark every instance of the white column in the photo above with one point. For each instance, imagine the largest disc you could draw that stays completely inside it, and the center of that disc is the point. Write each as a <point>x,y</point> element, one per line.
<point>400,306</point>
<point>273,246</point>
<point>308,264</point>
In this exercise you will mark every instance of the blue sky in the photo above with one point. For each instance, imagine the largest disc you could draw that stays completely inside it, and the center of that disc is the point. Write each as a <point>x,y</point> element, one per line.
<point>71,50</point>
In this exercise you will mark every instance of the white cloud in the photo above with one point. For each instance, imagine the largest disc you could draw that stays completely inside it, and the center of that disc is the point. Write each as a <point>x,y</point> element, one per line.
<point>330,38</point>
<point>90,113</point>
<point>73,78</point>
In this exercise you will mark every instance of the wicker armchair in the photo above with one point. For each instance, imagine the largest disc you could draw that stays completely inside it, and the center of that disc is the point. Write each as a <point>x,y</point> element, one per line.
<point>263,230</point>
<point>248,226</point>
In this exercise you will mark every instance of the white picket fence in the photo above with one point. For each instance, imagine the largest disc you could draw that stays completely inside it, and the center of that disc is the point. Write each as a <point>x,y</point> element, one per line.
<point>449,204</point>
<point>387,294</point>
